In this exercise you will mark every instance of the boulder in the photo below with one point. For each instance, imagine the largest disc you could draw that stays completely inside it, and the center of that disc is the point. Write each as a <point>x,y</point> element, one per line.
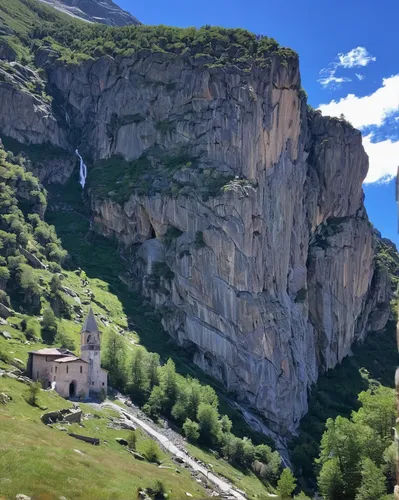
<point>137,455</point>
<point>86,439</point>
<point>7,53</point>
<point>72,416</point>
<point>6,335</point>
<point>121,441</point>
<point>32,259</point>
<point>4,398</point>
<point>6,312</point>
<point>51,417</point>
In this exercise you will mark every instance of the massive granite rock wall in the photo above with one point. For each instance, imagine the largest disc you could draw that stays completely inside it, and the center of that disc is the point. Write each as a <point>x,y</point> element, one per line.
<point>269,279</point>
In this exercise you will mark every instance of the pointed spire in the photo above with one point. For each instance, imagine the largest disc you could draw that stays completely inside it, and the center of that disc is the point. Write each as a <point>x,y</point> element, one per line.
<point>90,324</point>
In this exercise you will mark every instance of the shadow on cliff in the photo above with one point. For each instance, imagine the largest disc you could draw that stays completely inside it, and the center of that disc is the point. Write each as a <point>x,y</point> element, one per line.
<point>336,393</point>
<point>101,258</point>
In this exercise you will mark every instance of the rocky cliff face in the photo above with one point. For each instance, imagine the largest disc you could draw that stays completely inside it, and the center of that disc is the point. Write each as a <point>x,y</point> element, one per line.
<point>243,211</point>
<point>94,11</point>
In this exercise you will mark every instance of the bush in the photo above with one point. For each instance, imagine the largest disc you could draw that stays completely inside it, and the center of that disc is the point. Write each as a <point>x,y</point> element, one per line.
<point>156,402</point>
<point>32,330</point>
<point>158,489</point>
<point>33,393</point>
<point>102,395</point>
<point>132,440</point>
<point>191,430</point>
<point>152,452</point>
<point>4,298</point>
<point>49,324</point>
<point>55,283</point>
<point>62,340</point>
<point>4,274</point>
<point>208,418</point>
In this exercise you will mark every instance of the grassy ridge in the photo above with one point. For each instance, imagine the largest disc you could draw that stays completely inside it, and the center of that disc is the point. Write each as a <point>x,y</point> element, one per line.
<point>36,25</point>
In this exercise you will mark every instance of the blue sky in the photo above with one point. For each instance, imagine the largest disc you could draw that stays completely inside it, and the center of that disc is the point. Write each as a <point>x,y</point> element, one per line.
<point>349,64</point>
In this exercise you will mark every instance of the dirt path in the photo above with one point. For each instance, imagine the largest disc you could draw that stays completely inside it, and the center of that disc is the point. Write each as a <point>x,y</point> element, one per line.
<point>221,485</point>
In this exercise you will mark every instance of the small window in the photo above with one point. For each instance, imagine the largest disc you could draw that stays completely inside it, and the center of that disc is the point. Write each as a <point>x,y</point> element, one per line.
<point>37,374</point>
<point>54,378</point>
<point>56,369</point>
<point>92,383</point>
<point>81,369</point>
<point>51,369</point>
<point>103,384</point>
<point>67,368</point>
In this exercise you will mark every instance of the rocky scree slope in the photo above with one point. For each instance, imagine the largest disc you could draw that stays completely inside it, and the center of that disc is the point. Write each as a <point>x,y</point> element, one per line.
<point>242,208</point>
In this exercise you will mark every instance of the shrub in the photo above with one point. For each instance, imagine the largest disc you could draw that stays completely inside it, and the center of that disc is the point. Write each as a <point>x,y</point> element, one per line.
<point>4,298</point>
<point>191,430</point>
<point>4,274</point>
<point>33,393</point>
<point>55,283</point>
<point>102,395</point>
<point>49,324</point>
<point>208,418</point>
<point>152,452</point>
<point>32,330</point>
<point>132,440</point>
<point>158,489</point>
<point>62,340</point>
<point>156,402</point>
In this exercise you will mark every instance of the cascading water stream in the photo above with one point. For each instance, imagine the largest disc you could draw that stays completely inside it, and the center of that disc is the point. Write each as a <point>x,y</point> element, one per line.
<point>82,170</point>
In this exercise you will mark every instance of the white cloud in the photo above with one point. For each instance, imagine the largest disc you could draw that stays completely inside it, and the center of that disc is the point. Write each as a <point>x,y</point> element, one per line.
<point>331,80</point>
<point>384,159</point>
<point>360,76</point>
<point>372,110</point>
<point>368,110</point>
<point>355,58</point>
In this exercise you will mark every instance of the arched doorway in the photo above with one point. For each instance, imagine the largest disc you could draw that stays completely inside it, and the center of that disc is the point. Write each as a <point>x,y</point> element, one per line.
<point>72,389</point>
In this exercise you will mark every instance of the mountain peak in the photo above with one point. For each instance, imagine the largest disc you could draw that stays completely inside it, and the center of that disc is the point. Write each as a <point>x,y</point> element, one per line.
<point>94,11</point>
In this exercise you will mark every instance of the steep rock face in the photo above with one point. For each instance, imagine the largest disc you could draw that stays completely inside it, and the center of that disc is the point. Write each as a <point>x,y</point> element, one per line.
<point>25,114</point>
<point>94,11</point>
<point>247,225</point>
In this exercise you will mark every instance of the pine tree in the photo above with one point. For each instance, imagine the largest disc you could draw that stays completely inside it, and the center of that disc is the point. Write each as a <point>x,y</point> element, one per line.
<point>373,482</point>
<point>286,484</point>
<point>139,376</point>
<point>114,359</point>
<point>168,384</point>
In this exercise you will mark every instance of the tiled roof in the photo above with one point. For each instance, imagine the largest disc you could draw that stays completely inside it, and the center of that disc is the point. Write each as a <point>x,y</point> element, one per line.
<point>52,351</point>
<point>69,359</point>
<point>90,324</point>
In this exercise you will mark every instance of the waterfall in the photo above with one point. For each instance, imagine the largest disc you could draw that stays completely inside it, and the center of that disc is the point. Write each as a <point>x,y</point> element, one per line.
<point>82,170</point>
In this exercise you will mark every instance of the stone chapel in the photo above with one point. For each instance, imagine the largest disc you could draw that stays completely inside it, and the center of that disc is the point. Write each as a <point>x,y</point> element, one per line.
<point>69,375</point>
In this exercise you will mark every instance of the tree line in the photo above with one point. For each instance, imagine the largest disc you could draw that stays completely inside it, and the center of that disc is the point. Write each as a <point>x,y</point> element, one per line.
<point>194,407</point>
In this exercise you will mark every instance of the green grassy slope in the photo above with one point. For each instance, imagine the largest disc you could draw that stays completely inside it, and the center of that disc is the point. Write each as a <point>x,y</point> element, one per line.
<point>46,463</point>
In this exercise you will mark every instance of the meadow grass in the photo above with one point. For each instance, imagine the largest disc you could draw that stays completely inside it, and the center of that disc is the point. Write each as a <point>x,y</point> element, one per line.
<point>46,463</point>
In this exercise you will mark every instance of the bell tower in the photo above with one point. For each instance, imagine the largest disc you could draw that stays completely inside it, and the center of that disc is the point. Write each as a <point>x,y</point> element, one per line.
<point>90,349</point>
